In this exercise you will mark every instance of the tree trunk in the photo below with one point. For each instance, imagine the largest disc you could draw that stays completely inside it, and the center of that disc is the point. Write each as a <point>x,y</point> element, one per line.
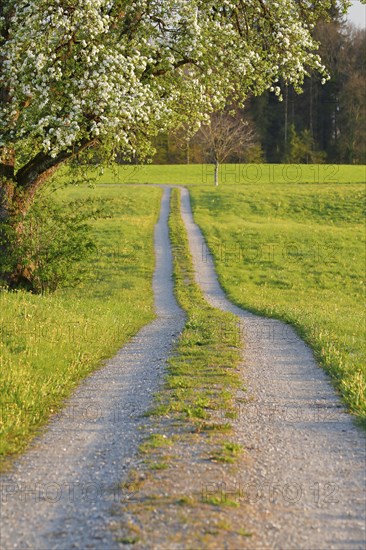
<point>17,193</point>
<point>7,181</point>
<point>286,120</point>
<point>7,188</point>
<point>12,269</point>
<point>216,173</point>
<point>15,202</point>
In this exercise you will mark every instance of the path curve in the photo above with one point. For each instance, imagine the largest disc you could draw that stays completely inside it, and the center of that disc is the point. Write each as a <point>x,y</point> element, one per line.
<point>305,457</point>
<point>305,478</point>
<point>81,460</point>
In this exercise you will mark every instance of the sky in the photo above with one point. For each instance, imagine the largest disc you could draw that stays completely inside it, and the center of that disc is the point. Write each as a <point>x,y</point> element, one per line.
<point>357,14</point>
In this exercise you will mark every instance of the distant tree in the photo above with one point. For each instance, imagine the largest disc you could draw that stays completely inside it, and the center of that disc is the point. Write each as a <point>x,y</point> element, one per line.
<point>352,99</point>
<point>225,136</point>
<point>254,154</point>
<point>332,113</point>
<point>352,140</point>
<point>180,139</point>
<point>301,148</point>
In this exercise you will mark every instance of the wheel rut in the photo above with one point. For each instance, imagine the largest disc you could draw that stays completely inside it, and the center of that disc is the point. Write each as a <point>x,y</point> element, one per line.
<point>60,493</point>
<point>306,481</point>
<point>303,483</point>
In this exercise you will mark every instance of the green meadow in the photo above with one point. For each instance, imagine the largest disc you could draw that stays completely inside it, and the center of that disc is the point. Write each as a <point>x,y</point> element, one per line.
<point>48,343</point>
<point>233,174</point>
<point>285,249</point>
<point>288,242</point>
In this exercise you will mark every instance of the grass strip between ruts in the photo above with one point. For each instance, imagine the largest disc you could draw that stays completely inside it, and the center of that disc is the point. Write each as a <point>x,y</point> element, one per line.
<point>202,374</point>
<point>190,427</point>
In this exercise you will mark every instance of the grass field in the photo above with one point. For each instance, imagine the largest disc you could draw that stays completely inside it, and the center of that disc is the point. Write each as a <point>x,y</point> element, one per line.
<point>234,174</point>
<point>290,251</point>
<point>297,253</point>
<point>289,242</point>
<point>48,343</point>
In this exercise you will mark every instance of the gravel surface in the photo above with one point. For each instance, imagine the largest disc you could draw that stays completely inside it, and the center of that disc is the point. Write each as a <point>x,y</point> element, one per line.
<point>305,475</point>
<point>302,485</point>
<point>61,492</point>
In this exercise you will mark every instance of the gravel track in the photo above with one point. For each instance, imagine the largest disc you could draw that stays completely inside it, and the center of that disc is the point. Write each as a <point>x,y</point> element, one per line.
<point>303,486</point>
<point>305,478</point>
<point>80,461</point>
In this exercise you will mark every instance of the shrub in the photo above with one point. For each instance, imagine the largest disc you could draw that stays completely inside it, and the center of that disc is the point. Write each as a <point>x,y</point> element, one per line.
<point>51,245</point>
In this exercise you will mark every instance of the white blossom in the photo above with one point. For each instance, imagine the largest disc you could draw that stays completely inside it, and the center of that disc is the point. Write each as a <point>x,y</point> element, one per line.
<point>127,70</point>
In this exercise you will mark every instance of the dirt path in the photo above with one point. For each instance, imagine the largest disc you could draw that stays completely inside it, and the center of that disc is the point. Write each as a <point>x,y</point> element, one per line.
<point>302,486</point>
<point>306,458</point>
<point>61,491</point>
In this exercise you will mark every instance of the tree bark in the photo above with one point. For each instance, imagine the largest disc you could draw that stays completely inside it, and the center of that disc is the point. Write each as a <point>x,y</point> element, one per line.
<point>7,188</point>
<point>17,193</point>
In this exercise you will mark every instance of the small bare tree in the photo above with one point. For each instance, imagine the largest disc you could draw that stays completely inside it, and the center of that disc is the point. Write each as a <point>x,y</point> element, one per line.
<point>226,136</point>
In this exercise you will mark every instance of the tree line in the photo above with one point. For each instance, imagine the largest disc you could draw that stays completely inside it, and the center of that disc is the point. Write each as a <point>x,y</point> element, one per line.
<point>326,123</point>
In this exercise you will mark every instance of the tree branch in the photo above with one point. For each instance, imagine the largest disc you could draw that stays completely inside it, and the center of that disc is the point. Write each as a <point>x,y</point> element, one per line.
<point>42,163</point>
